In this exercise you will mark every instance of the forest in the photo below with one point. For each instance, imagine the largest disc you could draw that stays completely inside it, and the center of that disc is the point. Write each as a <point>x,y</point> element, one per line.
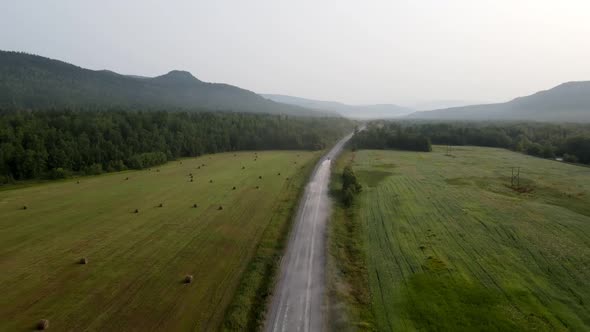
<point>568,141</point>
<point>390,136</point>
<point>59,143</point>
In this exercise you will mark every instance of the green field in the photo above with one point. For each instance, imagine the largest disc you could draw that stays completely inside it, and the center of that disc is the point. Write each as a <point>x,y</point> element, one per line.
<point>449,246</point>
<point>137,261</point>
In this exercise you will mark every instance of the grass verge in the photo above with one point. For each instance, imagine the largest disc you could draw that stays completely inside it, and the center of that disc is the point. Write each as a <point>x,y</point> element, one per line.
<point>348,285</point>
<point>247,309</point>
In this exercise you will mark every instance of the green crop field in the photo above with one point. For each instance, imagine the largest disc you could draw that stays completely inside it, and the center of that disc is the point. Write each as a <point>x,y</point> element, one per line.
<point>450,246</point>
<point>137,260</point>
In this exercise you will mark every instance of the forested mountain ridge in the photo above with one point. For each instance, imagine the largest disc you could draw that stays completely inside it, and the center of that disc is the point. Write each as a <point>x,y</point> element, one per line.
<point>567,102</point>
<point>34,82</point>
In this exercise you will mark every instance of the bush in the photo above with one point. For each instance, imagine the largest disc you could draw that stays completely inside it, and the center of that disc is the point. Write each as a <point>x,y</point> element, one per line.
<point>57,173</point>
<point>94,169</point>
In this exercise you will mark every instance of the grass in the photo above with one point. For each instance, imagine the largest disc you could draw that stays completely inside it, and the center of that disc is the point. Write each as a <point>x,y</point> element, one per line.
<point>450,246</point>
<point>349,299</point>
<point>138,261</point>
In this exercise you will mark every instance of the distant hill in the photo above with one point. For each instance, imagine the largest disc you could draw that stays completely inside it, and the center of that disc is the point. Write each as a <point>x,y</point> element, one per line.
<point>568,102</point>
<point>378,111</point>
<point>31,82</point>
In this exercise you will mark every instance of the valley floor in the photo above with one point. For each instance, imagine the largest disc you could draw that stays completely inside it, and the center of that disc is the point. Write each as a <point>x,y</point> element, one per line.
<point>445,244</point>
<point>139,251</point>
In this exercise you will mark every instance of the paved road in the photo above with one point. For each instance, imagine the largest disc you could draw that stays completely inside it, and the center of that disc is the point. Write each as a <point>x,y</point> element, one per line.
<point>298,301</point>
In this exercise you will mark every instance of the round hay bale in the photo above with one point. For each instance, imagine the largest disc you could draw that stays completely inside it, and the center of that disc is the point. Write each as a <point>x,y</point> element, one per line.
<point>136,211</point>
<point>43,324</point>
<point>220,208</point>
<point>188,279</point>
<point>83,261</point>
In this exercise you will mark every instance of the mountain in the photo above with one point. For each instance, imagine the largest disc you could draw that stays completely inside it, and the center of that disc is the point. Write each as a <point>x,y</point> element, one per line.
<point>31,81</point>
<point>567,102</point>
<point>378,111</point>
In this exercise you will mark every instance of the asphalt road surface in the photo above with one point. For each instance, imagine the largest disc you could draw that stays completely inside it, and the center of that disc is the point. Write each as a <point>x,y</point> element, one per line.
<point>297,304</point>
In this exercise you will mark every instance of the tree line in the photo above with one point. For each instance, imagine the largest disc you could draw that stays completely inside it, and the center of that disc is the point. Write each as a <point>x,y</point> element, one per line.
<point>390,136</point>
<point>58,143</point>
<point>568,141</point>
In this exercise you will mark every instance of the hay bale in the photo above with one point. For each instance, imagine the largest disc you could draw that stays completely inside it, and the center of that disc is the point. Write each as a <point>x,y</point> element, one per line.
<point>195,205</point>
<point>136,211</point>
<point>220,208</point>
<point>83,261</point>
<point>188,279</point>
<point>43,324</point>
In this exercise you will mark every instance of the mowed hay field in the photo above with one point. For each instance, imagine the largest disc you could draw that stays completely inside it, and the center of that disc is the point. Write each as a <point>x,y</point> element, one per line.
<point>137,261</point>
<point>451,247</point>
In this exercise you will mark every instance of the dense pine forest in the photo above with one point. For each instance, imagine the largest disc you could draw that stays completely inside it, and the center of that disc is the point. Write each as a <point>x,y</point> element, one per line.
<point>569,141</point>
<point>58,143</point>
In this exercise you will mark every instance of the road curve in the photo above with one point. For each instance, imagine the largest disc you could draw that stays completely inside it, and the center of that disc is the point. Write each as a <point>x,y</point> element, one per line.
<point>297,303</point>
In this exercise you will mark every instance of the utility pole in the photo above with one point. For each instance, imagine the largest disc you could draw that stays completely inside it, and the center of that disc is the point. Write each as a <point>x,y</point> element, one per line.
<point>515,178</point>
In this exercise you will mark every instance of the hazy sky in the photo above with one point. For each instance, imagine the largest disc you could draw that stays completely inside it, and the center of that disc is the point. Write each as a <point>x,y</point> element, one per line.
<point>388,51</point>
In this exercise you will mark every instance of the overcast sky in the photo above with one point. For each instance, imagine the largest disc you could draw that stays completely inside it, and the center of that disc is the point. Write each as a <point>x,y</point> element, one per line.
<point>388,51</point>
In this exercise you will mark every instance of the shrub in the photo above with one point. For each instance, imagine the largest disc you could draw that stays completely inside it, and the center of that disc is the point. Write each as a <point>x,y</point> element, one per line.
<point>234,188</point>
<point>220,208</point>
<point>83,261</point>
<point>24,207</point>
<point>94,169</point>
<point>58,173</point>
<point>136,211</point>
<point>195,205</point>
<point>161,205</point>
<point>188,279</point>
